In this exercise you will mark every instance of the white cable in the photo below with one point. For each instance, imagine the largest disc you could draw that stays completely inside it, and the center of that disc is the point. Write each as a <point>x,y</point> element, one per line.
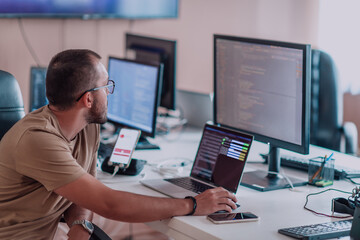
<point>116,170</point>
<point>168,167</point>
<point>286,178</point>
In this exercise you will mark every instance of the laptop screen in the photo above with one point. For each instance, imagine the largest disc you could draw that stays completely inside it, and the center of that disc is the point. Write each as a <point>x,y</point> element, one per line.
<point>221,156</point>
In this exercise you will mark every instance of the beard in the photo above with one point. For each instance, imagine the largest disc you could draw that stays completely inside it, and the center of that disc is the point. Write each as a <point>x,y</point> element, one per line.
<point>97,113</point>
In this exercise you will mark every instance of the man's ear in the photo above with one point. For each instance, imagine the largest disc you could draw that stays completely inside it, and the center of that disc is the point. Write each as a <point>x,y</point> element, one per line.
<point>88,100</point>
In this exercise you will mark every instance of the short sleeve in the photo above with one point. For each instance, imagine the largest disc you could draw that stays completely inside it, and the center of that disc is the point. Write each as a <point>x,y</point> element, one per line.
<point>47,158</point>
<point>95,150</point>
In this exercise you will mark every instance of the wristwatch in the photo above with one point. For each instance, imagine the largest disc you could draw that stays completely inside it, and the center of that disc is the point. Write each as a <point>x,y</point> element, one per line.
<point>86,224</point>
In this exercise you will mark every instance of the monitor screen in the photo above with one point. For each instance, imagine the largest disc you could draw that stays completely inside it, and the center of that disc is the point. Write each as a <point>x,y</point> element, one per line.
<point>37,88</point>
<point>262,87</point>
<point>136,97</point>
<point>132,9</point>
<point>156,50</point>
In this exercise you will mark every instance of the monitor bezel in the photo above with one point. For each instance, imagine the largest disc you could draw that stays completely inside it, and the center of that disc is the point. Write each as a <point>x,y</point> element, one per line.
<point>170,78</point>
<point>302,148</point>
<point>157,97</point>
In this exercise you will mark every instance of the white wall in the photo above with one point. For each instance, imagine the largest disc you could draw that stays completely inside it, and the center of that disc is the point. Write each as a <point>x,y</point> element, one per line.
<point>284,20</point>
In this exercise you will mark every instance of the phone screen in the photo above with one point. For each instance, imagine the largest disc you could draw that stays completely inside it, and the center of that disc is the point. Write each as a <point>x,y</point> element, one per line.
<point>125,145</point>
<point>232,217</point>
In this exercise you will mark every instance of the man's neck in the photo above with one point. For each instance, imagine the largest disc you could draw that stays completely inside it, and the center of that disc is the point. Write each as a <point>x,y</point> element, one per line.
<point>71,121</point>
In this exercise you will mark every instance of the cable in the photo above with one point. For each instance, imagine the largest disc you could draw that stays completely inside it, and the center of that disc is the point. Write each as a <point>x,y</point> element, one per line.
<point>169,167</point>
<point>27,43</point>
<point>116,170</point>
<point>352,181</point>
<point>286,178</point>
<point>323,214</point>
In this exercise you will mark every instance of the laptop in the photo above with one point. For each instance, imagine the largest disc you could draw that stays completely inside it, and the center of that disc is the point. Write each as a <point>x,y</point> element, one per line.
<point>195,114</point>
<point>220,161</point>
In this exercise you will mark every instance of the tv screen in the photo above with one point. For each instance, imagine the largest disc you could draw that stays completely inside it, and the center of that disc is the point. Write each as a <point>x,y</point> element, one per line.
<point>132,9</point>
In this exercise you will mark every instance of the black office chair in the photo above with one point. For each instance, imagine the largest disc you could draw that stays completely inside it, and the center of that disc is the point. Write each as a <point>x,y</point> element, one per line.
<point>11,102</point>
<point>327,127</point>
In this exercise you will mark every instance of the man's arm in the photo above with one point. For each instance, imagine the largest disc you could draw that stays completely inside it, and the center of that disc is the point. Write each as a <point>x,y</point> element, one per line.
<point>91,194</point>
<point>74,213</point>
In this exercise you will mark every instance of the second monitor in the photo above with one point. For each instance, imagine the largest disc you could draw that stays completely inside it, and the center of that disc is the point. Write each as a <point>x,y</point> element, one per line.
<point>156,50</point>
<point>136,97</point>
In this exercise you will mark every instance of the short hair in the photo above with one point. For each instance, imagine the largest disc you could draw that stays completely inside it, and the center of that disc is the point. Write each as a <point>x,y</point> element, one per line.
<point>70,73</point>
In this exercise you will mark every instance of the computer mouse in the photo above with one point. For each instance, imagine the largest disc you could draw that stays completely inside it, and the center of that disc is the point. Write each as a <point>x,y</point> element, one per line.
<point>223,211</point>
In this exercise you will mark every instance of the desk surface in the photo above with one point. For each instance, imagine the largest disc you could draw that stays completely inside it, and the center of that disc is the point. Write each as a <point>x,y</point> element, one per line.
<point>276,209</point>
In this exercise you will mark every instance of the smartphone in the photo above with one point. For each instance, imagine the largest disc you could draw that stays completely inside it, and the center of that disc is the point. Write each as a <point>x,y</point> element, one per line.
<point>232,217</point>
<point>124,147</point>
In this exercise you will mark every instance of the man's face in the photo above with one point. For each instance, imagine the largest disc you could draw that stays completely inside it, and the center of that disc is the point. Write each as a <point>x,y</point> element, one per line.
<point>98,111</point>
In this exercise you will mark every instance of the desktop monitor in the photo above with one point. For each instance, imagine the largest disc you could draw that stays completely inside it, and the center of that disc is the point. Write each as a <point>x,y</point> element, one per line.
<point>37,88</point>
<point>135,100</point>
<point>156,50</point>
<point>262,87</point>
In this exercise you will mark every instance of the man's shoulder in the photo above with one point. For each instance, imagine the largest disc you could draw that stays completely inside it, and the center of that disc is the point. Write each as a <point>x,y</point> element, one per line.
<point>36,124</point>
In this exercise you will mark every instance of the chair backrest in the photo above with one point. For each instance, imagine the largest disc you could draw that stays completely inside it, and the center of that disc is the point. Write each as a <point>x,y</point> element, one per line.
<point>11,102</point>
<point>326,102</point>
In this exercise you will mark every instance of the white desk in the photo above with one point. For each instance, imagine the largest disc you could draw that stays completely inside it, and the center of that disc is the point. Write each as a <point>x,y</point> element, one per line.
<point>276,209</point>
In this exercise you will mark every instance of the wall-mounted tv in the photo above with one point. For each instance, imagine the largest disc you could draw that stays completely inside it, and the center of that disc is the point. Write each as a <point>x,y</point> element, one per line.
<point>89,9</point>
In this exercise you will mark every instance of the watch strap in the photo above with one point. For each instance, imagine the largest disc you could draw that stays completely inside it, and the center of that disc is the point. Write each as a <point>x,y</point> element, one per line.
<point>84,223</point>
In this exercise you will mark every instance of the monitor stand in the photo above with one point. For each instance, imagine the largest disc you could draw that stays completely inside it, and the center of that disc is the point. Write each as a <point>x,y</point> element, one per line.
<point>268,181</point>
<point>144,144</point>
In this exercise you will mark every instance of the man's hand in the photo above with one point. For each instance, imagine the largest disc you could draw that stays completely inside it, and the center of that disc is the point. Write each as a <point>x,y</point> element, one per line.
<point>214,200</point>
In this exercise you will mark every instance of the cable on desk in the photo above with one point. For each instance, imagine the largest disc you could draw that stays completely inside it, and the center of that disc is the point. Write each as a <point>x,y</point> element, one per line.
<point>169,167</point>
<point>352,181</point>
<point>116,170</point>
<point>324,214</point>
<point>284,176</point>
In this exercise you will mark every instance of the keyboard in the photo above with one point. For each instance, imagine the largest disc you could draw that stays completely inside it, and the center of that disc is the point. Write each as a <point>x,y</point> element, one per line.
<point>189,184</point>
<point>319,231</point>
<point>340,172</point>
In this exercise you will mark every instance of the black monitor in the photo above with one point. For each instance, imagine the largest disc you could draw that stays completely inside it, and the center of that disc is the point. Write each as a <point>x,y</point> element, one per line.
<point>37,88</point>
<point>135,100</point>
<point>156,50</point>
<point>262,87</point>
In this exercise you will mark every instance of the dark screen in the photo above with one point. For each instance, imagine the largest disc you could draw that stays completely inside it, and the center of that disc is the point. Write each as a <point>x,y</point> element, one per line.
<point>156,50</point>
<point>232,216</point>
<point>221,157</point>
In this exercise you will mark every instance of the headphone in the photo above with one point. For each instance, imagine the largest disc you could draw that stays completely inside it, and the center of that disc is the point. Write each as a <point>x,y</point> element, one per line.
<point>347,206</point>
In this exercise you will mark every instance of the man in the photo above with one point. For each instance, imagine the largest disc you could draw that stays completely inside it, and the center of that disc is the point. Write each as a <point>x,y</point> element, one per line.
<point>48,161</point>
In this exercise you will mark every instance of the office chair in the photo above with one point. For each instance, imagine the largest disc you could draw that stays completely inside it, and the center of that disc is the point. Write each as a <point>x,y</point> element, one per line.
<point>11,102</point>
<point>327,127</point>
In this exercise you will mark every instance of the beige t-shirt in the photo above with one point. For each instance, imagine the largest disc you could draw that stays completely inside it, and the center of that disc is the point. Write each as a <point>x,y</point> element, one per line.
<point>35,159</point>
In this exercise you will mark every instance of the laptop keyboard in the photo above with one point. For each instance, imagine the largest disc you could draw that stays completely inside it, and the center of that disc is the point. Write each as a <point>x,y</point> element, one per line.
<point>189,184</point>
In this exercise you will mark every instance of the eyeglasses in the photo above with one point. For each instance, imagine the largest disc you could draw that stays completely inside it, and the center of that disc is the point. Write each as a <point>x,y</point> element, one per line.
<point>110,86</point>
